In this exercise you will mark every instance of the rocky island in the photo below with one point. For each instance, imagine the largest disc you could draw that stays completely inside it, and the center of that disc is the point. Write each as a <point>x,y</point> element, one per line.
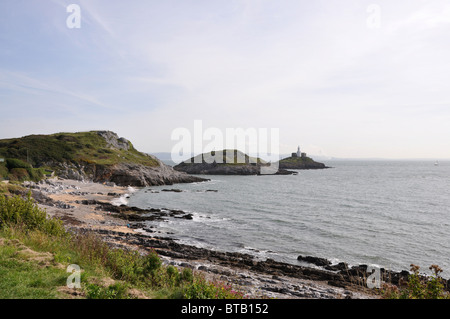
<point>299,160</point>
<point>226,162</point>
<point>300,163</point>
<point>97,156</point>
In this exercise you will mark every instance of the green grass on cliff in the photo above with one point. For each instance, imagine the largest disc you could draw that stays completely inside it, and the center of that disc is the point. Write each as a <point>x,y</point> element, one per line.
<point>39,150</point>
<point>92,148</point>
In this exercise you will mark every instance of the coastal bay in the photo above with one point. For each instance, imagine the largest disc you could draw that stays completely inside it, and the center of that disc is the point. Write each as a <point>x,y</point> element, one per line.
<point>86,206</point>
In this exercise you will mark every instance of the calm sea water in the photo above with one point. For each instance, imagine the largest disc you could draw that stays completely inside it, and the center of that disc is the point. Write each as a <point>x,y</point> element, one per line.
<point>385,213</point>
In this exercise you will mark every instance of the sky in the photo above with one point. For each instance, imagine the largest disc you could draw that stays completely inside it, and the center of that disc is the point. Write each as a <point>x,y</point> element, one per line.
<point>346,79</point>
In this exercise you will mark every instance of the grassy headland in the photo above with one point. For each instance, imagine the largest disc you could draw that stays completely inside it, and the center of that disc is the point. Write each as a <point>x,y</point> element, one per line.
<point>30,157</point>
<point>99,156</point>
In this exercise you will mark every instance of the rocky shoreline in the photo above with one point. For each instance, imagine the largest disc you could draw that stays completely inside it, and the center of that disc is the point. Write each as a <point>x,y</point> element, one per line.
<point>227,169</point>
<point>87,207</point>
<point>229,162</point>
<point>302,163</point>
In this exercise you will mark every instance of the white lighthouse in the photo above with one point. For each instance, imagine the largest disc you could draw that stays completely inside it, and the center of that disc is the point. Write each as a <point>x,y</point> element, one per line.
<point>299,154</point>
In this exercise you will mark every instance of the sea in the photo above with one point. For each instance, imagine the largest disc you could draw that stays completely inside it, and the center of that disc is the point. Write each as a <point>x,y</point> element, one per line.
<point>388,214</point>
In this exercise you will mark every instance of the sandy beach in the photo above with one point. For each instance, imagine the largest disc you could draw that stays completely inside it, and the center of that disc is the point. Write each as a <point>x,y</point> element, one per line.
<point>87,206</point>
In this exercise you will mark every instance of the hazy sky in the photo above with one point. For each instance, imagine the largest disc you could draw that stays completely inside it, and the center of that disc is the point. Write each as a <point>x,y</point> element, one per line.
<point>341,78</point>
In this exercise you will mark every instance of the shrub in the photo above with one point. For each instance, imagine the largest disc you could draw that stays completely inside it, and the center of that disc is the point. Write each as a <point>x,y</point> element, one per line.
<point>25,212</point>
<point>90,248</point>
<point>18,170</point>
<point>124,264</point>
<point>187,275</point>
<point>35,174</point>
<point>20,174</point>
<point>12,163</point>
<point>115,291</point>
<point>419,287</point>
<point>200,288</point>
<point>3,171</point>
<point>151,263</point>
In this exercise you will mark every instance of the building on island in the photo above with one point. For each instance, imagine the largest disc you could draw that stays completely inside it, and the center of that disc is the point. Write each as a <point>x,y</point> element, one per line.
<point>298,153</point>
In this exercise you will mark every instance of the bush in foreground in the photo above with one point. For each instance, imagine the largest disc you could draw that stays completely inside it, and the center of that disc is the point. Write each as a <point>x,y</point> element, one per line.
<point>419,287</point>
<point>200,288</point>
<point>24,212</point>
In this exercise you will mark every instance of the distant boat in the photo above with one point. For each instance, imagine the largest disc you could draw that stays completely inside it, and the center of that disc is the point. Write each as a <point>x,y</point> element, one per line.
<point>436,163</point>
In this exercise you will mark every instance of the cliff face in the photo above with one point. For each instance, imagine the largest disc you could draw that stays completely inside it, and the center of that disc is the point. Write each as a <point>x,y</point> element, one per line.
<point>99,156</point>
<point>124,174</point>
<point>140,175</point>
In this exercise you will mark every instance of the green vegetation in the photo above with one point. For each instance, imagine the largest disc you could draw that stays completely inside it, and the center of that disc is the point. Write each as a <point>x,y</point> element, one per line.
<point>89,147</point>
<point>202,289</point>
<point>4,172</point>
<point>229,157</point>
<point>419,287</point>
<point>11,187</point>
<point>298,160</point>
<point>114,291</point>
<point>21,277</point>
<point>18,170</point>
<point>36,250</point>
<point>17,211</point>
<point>31,157</point>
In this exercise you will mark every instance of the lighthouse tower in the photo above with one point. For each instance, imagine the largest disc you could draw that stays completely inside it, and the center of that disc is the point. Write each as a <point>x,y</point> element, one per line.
<point>299,154</point>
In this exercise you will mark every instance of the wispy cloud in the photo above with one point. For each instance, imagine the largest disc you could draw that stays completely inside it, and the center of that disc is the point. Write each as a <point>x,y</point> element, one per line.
<point>94,15</point>
<point>45,94</point>
<point>429,15</point>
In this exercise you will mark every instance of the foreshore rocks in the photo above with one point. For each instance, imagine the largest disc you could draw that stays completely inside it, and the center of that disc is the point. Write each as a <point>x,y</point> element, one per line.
<point>314,260</point>
<point>136,214</point>
<point>314,165</point>
<point>268,275</point>
<point>217,169</point>
<point>225,169</point>
<point>339,275</point>
<point>360,273</point>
